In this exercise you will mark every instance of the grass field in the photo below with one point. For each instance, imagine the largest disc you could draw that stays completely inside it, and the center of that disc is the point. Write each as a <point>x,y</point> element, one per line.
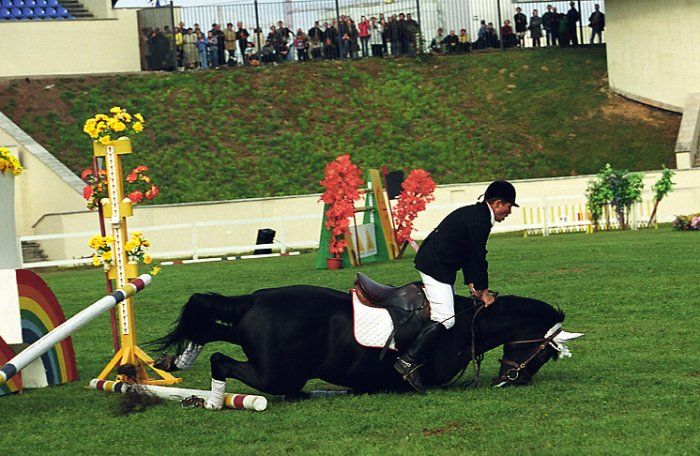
<point>631,386</point>
<point>254,132</point>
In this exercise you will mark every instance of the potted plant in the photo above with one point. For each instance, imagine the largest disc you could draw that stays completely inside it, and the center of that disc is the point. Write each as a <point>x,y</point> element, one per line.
<point>136,252</point>
<point>341,182</point>
<point>417,192</point>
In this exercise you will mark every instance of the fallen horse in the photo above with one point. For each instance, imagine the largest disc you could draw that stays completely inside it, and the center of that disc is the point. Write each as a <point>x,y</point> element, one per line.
<point>293,334</point>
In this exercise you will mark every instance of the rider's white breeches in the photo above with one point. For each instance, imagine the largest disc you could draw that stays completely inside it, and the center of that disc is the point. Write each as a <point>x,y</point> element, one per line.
<point>442,300</point>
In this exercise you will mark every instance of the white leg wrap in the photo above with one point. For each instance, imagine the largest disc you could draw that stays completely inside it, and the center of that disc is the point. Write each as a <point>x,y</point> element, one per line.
<point>186,359</point>
<point>216,398</point>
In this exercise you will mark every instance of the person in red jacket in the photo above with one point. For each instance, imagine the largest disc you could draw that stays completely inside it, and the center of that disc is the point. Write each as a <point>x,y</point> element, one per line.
<point>458,242</point>
<point>363,28</point>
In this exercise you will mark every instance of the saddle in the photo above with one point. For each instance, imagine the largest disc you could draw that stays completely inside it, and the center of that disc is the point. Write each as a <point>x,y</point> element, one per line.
<point>407,305</point>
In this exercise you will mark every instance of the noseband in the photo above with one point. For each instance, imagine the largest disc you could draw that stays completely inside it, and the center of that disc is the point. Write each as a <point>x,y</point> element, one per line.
<point>513,373</point>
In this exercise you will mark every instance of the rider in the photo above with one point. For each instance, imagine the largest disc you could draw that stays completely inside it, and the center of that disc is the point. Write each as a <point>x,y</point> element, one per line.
<point>458,242</point>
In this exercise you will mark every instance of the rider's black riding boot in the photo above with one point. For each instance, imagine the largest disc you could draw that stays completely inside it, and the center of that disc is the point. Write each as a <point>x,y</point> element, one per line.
<point>407,365</point>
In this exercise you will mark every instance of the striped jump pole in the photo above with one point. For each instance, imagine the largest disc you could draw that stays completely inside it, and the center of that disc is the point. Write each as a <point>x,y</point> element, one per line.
<point>71,325</point>
<point>232,401</point>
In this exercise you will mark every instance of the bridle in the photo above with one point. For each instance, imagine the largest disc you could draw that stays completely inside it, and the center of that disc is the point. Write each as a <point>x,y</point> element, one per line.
<point>513,373</point>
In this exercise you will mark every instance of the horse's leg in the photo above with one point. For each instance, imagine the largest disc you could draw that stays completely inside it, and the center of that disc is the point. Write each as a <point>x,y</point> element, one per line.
<point>223,367</point>
<point>186,359</point>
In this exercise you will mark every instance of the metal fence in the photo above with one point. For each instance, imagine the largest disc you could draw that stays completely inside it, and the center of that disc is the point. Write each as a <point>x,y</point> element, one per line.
<point>429,15</point>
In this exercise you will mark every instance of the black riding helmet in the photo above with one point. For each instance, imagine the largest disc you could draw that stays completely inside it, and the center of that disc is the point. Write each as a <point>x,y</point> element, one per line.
<point>502,190</point>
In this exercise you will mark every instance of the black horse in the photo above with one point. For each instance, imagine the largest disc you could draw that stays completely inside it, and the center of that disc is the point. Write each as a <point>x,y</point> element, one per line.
<point>293,334</point>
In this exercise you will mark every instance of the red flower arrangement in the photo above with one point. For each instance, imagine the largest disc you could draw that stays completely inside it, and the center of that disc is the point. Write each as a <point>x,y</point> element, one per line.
<point>138,186</point>
<point>417,192</point>
<point>341,180</point>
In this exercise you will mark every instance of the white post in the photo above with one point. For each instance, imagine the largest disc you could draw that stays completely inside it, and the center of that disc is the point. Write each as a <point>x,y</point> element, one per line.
<point>545,229</point>
<point>195,255</point>
<point>9,251</point>
<point>283,235</point>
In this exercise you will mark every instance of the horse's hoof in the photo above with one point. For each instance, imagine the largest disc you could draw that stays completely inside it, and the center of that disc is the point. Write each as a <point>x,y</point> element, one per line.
<point>166,363</point>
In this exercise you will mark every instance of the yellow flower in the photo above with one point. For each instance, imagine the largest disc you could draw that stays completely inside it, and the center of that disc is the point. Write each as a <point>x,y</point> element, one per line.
<point>107,256</point>
<point>115,110</point>
<point>137,234</point>
<point>138,127</point>
<point>118,126</point>
<point>155,271</point>
<point>109,239</point>
<point>105,139</point>
<point>130,245</point>
<point>147,259</point>
<point>95,260</point>
<point>145,243</point>
<point>139,117</point>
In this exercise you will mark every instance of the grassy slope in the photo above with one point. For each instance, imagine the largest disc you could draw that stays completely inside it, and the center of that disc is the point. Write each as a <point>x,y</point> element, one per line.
<point>269,131</point>
<point>630,388</point>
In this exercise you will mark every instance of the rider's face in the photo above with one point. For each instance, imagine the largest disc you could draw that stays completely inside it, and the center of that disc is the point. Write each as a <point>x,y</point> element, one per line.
<point>501,210</point>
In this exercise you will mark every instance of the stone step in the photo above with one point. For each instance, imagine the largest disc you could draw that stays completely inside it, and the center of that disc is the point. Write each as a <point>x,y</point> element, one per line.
<point>32,252</point>
<point>76,9</point>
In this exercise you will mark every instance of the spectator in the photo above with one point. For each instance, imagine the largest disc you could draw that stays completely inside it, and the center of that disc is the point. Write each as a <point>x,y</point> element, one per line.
<point>344,35</point>
<point>203,49</point>
<point>178,47</point>
<point>386,41</point>
<point>189,49</point>
<point>437,45</point>
<point>218,44</point>
<point>549,28</point>
<point>482,36</point>
<point>315,33</point>
<point>230,44</point>
<point>315,49</point>
<point>464,44</point>
<point>337,37</point>
<point>242,38</point>
<point>375,37</point>
<point>394,35</point>
<point>492,35</point>
<point>364,29</point>
<point>520,26</point>
<point>354,39</point>
<point>572,17</point>
<point>563,36</point>
<point>213,50</point>
<point>556,26</point>
<point>452,43</point>
<point>268,52</point>
<point>284,39</point>
<point>301,45</point>
<point>535,29</point>
<point>403,34</point>
<point>507,35</point>
<point>413,34</point>
<point>597,24</point>
<point>330,35</point>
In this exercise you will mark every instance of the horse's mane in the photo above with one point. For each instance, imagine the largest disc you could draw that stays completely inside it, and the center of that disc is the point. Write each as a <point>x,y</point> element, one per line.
<point>529,309</point>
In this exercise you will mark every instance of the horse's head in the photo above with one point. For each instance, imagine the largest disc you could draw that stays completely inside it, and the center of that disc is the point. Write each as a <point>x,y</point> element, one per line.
<point>533,336</point>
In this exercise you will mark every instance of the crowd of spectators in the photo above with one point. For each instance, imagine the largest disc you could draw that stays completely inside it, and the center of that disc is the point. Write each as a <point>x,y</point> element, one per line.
<point>346,39</point>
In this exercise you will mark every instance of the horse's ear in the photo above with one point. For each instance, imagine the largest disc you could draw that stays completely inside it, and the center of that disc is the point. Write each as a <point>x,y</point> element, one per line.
<point>564,336</point>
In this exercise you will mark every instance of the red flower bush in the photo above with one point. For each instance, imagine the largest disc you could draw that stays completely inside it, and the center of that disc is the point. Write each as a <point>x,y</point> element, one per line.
<point>341,180</point>
<point>417,192</point>
<point>138,186</point>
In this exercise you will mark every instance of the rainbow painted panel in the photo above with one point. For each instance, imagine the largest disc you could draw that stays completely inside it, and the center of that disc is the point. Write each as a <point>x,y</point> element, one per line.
<point>15,383</point>
<point>40,312</point>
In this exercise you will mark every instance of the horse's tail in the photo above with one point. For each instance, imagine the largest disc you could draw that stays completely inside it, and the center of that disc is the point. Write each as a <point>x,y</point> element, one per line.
<point>199,316</point>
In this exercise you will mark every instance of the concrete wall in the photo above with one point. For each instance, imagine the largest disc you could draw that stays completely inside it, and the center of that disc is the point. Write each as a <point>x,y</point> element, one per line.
<point>531,193</point>
<point>83,46</point>
<point>45,186</point>
<point>660,69</point>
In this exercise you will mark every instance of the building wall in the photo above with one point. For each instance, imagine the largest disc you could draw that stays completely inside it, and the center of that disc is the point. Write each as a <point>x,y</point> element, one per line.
<point>48,48</point>
<point>660,69</point>
<point>101,9</point>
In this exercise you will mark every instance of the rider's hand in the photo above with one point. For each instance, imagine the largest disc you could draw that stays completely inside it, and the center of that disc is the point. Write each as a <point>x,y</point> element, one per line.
<point>487,297</point>
<point>474,292</point>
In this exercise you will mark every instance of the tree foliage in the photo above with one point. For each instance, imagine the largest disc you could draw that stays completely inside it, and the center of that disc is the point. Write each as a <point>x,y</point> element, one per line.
<point>618,188</point>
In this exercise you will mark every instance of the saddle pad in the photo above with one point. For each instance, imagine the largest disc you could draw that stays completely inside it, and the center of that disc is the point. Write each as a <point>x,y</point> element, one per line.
<point>372,326</point>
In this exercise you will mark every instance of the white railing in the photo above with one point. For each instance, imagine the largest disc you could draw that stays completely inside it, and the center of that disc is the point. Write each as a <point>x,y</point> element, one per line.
<point>195,251</point>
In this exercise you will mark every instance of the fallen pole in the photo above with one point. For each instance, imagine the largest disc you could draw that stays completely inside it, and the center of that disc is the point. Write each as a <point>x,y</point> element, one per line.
<point>232,401</point>
<point>68,327</point>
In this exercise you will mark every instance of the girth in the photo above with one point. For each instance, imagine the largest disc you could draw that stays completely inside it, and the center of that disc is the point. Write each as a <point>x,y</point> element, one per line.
<point>407,305</point>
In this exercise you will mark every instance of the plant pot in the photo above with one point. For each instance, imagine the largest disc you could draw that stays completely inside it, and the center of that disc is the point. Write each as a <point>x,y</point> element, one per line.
<point>334,263</point>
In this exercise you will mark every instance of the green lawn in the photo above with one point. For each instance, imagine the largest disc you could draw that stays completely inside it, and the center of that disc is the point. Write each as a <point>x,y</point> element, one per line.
<point>253,132</point>
<point>631,386</point>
